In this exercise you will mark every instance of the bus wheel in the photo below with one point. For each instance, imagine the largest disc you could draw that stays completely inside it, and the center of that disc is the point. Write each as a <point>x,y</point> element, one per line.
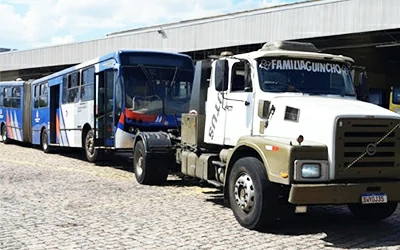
<point>149,170</point>
<point>90,151</point>
<point>253,198</point>
<point>4,134</point>
<point>45,143</point>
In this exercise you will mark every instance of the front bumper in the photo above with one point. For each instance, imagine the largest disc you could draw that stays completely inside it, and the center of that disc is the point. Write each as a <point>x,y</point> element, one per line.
<point>335,194</point>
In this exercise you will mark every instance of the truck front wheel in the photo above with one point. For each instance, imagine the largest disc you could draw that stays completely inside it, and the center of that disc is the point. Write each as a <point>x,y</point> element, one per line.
<point>373,212</point>
<point>253,198</point>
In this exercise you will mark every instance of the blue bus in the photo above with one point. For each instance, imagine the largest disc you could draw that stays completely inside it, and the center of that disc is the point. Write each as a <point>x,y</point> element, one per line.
<point>14,124</point>
<point>102,103</point>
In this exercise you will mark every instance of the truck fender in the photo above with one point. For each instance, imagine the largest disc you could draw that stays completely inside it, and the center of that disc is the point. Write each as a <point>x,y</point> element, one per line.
<point>154,141</point>
<point>247,149</point>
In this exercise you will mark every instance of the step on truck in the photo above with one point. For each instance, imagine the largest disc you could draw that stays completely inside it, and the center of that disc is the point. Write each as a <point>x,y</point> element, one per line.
<point>277,128</point>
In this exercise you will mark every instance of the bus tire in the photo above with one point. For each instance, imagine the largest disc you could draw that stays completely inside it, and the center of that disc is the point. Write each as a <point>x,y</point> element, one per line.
<point>252,197</point>
<point>91,152</point>
<point>148,170</point>
<point>4,136</point>
<point>45,142</point>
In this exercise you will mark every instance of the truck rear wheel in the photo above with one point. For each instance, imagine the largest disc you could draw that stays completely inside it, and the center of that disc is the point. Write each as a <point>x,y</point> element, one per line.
<point>149,170</point>
<point>253,198</point>
<point>373,212</point>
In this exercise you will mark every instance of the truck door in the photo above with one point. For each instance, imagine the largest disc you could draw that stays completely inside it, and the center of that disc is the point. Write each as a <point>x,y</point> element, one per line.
<point>104,108</point>
<point>238,105</point>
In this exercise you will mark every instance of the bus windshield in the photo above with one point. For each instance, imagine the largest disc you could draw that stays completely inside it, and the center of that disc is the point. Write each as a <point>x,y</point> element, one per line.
<point>305,76</point>
<point>157,90</point>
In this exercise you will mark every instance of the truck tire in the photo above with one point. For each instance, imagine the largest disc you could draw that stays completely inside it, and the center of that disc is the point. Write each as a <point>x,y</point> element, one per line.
<point>148,170</point>
<point>4,136</point>
<point>253,198</point>
<point>372,212</point>
<point>91,152</point>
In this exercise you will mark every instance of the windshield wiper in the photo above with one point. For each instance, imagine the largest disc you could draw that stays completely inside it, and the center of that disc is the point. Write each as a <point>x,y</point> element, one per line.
<point>145,72</point>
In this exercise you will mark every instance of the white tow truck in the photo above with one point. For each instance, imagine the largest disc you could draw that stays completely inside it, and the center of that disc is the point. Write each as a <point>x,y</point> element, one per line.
<point>280,127</point>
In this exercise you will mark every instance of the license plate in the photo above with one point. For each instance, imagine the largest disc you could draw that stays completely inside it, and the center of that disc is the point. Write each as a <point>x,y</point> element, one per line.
<point>373,198</point>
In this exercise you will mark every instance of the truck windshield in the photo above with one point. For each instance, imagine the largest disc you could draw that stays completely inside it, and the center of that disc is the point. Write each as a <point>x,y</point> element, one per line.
<point>157,90</point>
<point>305,76</point>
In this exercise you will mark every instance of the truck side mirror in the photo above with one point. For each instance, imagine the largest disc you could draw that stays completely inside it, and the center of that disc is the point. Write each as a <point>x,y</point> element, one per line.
<point>263,109</point>
<point>221,75</point>
<point>362,91</point>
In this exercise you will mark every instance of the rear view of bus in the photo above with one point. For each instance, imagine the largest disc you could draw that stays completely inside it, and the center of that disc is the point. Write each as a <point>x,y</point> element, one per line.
<point>143,91</point>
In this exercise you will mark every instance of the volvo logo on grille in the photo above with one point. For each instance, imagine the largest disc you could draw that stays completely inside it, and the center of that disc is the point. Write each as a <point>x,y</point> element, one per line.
<point>371,149</point>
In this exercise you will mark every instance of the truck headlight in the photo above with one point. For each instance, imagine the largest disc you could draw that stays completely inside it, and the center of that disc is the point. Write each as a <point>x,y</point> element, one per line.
<point>310,170</point>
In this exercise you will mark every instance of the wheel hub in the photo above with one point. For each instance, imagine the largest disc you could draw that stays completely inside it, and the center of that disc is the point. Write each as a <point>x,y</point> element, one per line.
<point>139,164</point>
<point>244,193</point>
<point>90,145</point>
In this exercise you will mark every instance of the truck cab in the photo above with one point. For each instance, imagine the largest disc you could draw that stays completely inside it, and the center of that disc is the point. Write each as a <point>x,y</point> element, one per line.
<point>281,127</point>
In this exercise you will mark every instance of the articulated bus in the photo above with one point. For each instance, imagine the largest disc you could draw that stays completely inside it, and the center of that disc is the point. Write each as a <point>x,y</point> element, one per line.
<point>13,123</point>
<point>100,104</point>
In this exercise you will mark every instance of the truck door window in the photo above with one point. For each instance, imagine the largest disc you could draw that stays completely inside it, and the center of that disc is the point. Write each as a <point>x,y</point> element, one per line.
<point>237,77</point>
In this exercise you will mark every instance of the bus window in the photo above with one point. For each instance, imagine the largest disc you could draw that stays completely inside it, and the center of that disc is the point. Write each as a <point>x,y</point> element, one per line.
<point>1,97</point>
<point>16,97</point>
<point>73,88</point>
<point>87,88</point>
<point>43,97</point>
<point>7,97</point>
<point>65,90</point>
<point>36,96</point>
<point>396,96</point>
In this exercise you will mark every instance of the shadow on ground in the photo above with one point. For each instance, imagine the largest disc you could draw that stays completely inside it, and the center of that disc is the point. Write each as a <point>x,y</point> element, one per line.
<point>336,222</point>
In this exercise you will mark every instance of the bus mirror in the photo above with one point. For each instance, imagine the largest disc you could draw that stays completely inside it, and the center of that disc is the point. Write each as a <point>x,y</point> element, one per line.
<point>221,75</point>
<point>263,109</point>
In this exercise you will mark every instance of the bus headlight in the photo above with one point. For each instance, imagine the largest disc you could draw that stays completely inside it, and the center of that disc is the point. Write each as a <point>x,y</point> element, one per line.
<point>131,129</point>
<point>311,170</point>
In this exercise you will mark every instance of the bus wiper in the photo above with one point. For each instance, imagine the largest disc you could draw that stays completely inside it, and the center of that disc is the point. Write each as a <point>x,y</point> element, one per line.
<point>175,73</point>
<point>145,72</point>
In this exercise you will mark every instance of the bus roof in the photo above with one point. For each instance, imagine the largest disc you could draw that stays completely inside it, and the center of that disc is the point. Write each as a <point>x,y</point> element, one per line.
<point>12,83</point>
<point>103,58</point>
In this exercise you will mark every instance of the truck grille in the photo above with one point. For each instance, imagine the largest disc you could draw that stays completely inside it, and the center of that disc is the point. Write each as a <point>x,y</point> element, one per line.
<point>367,148</point>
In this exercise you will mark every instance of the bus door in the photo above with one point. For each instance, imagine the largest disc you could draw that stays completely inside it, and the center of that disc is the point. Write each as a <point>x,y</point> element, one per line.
<point>104,108</point>
<point>54,110</point>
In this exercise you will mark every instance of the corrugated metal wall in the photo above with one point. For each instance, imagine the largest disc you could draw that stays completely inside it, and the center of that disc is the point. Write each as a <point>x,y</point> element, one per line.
<point>296,21</point>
